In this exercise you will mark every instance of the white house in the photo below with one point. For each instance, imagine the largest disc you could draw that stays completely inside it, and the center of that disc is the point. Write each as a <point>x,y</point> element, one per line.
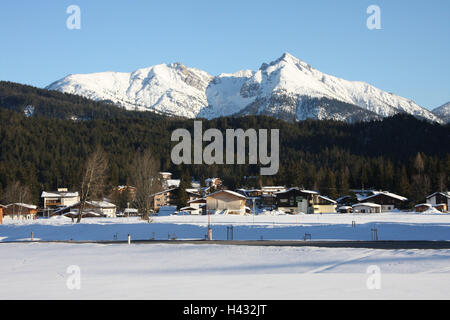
<point>366,207</point>
<point>60,198</point>
<point>387,200</point>
<point>195,206</point>
<point>106,208</point>
<point>226,202</point>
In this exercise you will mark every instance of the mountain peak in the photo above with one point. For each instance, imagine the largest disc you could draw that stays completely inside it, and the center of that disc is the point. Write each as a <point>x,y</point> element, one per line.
<point>284,88</point>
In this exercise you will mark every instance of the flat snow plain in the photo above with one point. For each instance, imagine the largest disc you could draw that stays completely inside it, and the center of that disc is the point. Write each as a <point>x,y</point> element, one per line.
<point>162,271</point>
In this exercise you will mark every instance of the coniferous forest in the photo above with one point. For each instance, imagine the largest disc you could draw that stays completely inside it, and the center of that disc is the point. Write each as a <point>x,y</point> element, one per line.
<point>47,148</point>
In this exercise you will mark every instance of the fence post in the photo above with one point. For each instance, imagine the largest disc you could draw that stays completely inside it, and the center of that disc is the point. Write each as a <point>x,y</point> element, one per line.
<point>129,239</point>
<point>32,236</point>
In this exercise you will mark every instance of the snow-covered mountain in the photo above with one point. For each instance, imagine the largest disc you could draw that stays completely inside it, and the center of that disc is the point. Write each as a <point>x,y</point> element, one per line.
<point>443,112</point>
<point>286,88</point>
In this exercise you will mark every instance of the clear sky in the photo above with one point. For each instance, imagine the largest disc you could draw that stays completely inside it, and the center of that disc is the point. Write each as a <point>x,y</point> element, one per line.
<point>409,55</point>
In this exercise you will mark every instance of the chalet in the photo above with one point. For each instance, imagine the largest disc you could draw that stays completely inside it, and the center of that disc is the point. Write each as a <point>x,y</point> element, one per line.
<point>106,208</point>
<point>366,207</point>
<point>131,212</point>
<point>297,201</point>
<point>192,194</point>
<point>271,190</point>
<point>387,200</point>
<point>164,198</point>
<point>195,206</point>
<point>60,198</point>
<point>92,209</point>
<point>20,211</point>
<point>225,202</point>
<point>441,199</point>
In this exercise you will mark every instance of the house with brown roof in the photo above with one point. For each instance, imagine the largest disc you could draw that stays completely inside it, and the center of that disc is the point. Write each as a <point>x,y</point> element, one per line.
<point>20,211</point>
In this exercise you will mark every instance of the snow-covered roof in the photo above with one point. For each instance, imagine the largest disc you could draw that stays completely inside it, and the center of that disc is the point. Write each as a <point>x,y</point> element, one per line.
<point>366,204</point>
<point>192,190</point>
<point>344,207</point>
<point>201,200</point>
<point>423,205</point>
<point>164,191</point>
<point>173,182</point>
<point>386,193</point>
<point>301,190</point>
<point>24,205</point>
<point>445,194</point>
<point>57,194</point>
<point>327,199</point>
<point>102,204</point>
<point>188,209</point>
<point>230,192</point>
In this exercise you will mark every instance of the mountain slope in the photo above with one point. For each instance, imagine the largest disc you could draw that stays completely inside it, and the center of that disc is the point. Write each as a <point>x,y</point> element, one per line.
<point>287,88</point>
<point>443,112</point>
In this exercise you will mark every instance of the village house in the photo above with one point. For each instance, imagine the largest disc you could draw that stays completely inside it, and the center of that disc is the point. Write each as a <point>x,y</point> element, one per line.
<point>127,189</point>
<point>225,202</point>
<point>164,198</point>
<point>296,201</point>
<point>440,200</point>
<point>92,209</point>
<point>387,200</point>
<point>20,211</point>
<point>60,198</point>
<point>271,190</point>
<point>192,194</point>
<point>168,182</point>
<point>213,183</point>
<point>195,206</point>
<point>366,207</point>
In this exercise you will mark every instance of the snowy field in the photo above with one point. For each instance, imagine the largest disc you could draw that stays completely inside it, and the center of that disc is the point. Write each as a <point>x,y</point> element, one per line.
<point>391,226</point>
<point>177,271</point>
<point>120,271</point>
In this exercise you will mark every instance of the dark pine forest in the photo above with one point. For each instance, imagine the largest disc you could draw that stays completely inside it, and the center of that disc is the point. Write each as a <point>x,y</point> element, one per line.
<point>48,149</point>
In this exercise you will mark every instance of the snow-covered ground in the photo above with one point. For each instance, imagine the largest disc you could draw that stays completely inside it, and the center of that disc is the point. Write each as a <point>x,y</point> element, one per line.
<point>391,226</point>
<point>183,271</point>
<point>94,271</point>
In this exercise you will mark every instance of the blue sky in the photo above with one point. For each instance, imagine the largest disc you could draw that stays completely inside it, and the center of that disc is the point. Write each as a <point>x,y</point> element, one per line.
<point>408,56</point>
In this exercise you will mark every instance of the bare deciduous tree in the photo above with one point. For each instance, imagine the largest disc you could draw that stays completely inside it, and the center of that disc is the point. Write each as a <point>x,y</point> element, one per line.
<point>16,193</point>
<point>145,177</point>
<point>93,180</point>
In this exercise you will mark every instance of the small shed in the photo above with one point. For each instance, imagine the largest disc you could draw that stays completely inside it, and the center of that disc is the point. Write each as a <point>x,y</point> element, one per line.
<point>422,207</point>
<point>345,209</point>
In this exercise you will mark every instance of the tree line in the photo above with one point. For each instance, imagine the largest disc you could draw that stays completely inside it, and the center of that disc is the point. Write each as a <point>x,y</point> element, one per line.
<point>50,149</point>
